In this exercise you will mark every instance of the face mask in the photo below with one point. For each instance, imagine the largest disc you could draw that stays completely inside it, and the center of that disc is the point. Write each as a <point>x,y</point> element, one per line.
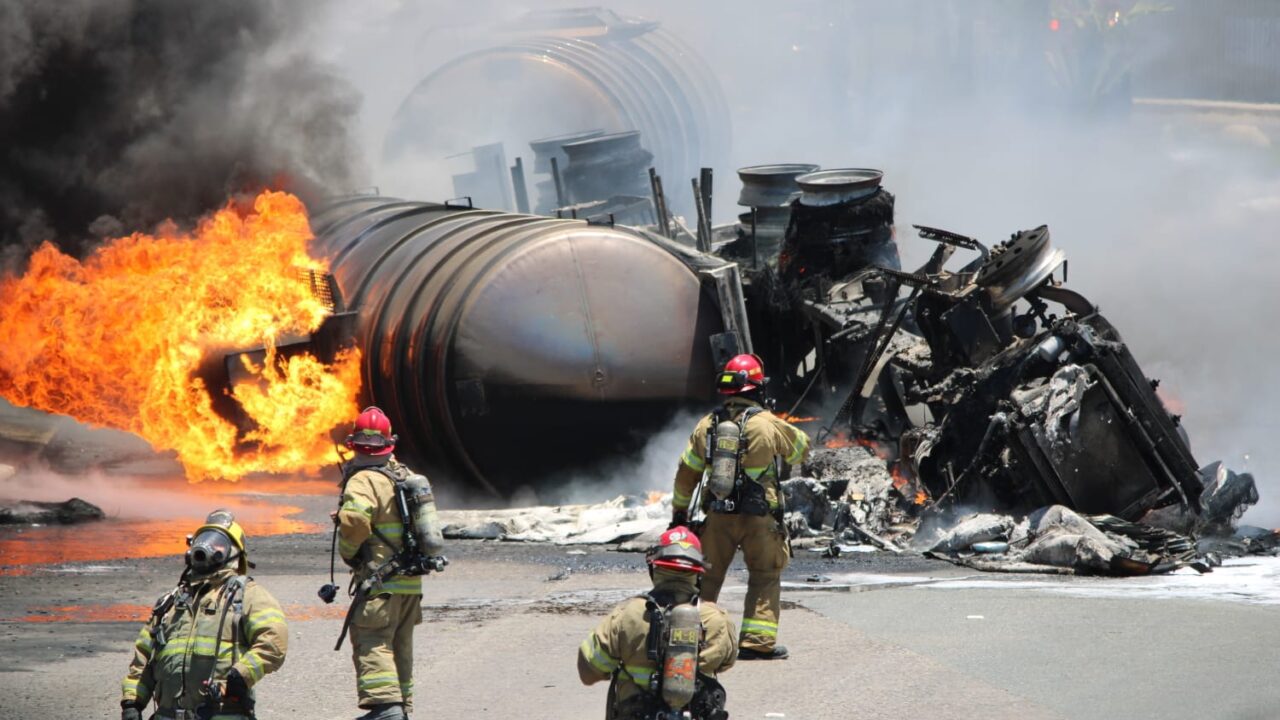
<point>210,550</point>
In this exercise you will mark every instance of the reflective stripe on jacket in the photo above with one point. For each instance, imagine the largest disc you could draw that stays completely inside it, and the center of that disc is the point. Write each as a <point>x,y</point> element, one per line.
<point>768,437</point>
<point>368,502</point>
<point>256,641</point>
<point>618,645</point>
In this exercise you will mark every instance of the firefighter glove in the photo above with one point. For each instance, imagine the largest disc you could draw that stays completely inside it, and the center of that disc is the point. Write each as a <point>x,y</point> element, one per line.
<point>238,690</point>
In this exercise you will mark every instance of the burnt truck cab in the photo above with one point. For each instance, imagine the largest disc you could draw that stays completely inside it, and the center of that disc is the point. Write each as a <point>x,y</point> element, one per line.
<point>992,385</point>
<point>1033,397</point>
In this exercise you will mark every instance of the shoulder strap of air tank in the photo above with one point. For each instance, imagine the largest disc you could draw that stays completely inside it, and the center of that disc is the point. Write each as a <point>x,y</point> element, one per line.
<point>745,442</point>
<point>395,474</point>
<point>654,647</point>
<point>717,416</point>
<point>751,411</point>
<point>230,596</point>
<point>164,605</point>
<point>235,596</point>
<point>235,591</point>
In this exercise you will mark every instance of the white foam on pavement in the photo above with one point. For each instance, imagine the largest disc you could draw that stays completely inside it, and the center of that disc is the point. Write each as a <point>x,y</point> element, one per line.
<point>1254,580</point>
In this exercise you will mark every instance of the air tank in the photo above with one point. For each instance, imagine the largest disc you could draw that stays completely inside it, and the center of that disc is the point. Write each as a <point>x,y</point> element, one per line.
<point>510,349</point>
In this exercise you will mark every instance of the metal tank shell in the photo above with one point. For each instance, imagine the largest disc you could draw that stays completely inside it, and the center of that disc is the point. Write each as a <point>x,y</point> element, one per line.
<point>644,79</point>
<point>509,347</point>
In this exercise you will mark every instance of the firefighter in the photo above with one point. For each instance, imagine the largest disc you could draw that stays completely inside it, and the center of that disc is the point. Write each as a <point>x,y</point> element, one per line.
<point>210,639</point>
<point>370,533</point>
<point>623,650</point>
<point>740,447</point>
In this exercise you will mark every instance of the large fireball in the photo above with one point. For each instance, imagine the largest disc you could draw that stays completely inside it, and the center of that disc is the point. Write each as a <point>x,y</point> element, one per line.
<point>116,340</point>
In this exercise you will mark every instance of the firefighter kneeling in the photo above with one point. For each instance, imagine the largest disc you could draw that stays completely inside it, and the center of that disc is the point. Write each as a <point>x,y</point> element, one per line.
<point>210,639</point>
<point>662,650</point>
<point>741,447</point>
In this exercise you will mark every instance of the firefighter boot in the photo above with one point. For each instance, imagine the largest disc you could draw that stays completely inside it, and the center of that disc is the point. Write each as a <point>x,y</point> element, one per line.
<point>778,652</point>
<point>387,711</point>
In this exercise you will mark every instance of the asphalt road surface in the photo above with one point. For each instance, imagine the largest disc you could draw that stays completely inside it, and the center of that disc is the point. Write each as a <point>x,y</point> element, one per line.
<point>883,636</point>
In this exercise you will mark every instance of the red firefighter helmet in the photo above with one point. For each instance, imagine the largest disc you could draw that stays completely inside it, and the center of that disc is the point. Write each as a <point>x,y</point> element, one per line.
<point>678,549</point>
<point>372,433</point>
<point>741,374</point>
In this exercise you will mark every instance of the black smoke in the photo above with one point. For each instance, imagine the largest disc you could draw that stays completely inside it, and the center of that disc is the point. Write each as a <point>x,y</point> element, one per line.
<point>118,114</point>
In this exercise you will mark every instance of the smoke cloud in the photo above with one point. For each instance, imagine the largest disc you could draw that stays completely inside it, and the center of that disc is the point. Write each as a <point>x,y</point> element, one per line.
<point>649,469</point>
<point>984,119</point>
<point>118,115</point>
<point>987,118</point>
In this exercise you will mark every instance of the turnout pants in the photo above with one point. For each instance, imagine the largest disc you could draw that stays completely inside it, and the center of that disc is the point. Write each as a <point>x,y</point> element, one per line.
<point>382,648</point>
<point>766,552</point>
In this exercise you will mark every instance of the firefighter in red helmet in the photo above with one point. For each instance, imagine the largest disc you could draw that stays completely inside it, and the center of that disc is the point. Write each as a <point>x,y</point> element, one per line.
<point>370,533</point>
<point>661,651</point>
<point>736,454</point>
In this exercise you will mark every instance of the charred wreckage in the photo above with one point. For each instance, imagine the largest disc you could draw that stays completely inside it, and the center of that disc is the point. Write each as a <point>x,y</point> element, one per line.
<point>991,386</point>
<point>603,303</point>
<point>935,392</point>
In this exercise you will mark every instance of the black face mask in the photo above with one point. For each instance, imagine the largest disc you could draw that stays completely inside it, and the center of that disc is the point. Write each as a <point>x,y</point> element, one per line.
<point>209,551</point>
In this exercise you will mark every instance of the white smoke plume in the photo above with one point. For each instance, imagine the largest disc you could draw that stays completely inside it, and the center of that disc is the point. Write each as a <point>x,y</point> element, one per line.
<point>987,120</point>
<point>650,469</point>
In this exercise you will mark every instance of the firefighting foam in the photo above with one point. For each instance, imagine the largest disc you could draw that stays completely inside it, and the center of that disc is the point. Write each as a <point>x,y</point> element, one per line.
<point>117,339</point>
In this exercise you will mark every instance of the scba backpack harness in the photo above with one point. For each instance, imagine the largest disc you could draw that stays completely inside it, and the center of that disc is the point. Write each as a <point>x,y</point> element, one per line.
<point>676,690</point>
<point>732,490</point>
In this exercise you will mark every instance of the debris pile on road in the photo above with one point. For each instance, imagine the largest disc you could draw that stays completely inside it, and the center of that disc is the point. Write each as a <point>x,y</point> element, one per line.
<point>848,496</point>
<point>1057,539</point>
<point>618,520</point>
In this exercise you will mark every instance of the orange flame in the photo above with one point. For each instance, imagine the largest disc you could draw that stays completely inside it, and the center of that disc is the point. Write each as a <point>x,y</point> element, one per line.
<point>838,439</point>
<point>654,497</point>
<point>115,340</point>
<point>842,439</point>
<point>899,480</point>
<point>795,419</point>
<point>903,483</point>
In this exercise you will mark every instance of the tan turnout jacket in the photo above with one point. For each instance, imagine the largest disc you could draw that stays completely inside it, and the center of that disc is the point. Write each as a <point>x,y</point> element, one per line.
<point>368,502</point>
<point>618,646</point>
<point>768,437</point>
<point>254,641</point>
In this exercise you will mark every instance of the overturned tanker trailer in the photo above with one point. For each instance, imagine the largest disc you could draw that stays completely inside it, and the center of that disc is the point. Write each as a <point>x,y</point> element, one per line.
<point>508,347</point>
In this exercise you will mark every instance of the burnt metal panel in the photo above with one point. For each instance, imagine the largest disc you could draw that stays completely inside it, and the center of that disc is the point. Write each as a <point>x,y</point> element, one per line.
<point>1098,469</point>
